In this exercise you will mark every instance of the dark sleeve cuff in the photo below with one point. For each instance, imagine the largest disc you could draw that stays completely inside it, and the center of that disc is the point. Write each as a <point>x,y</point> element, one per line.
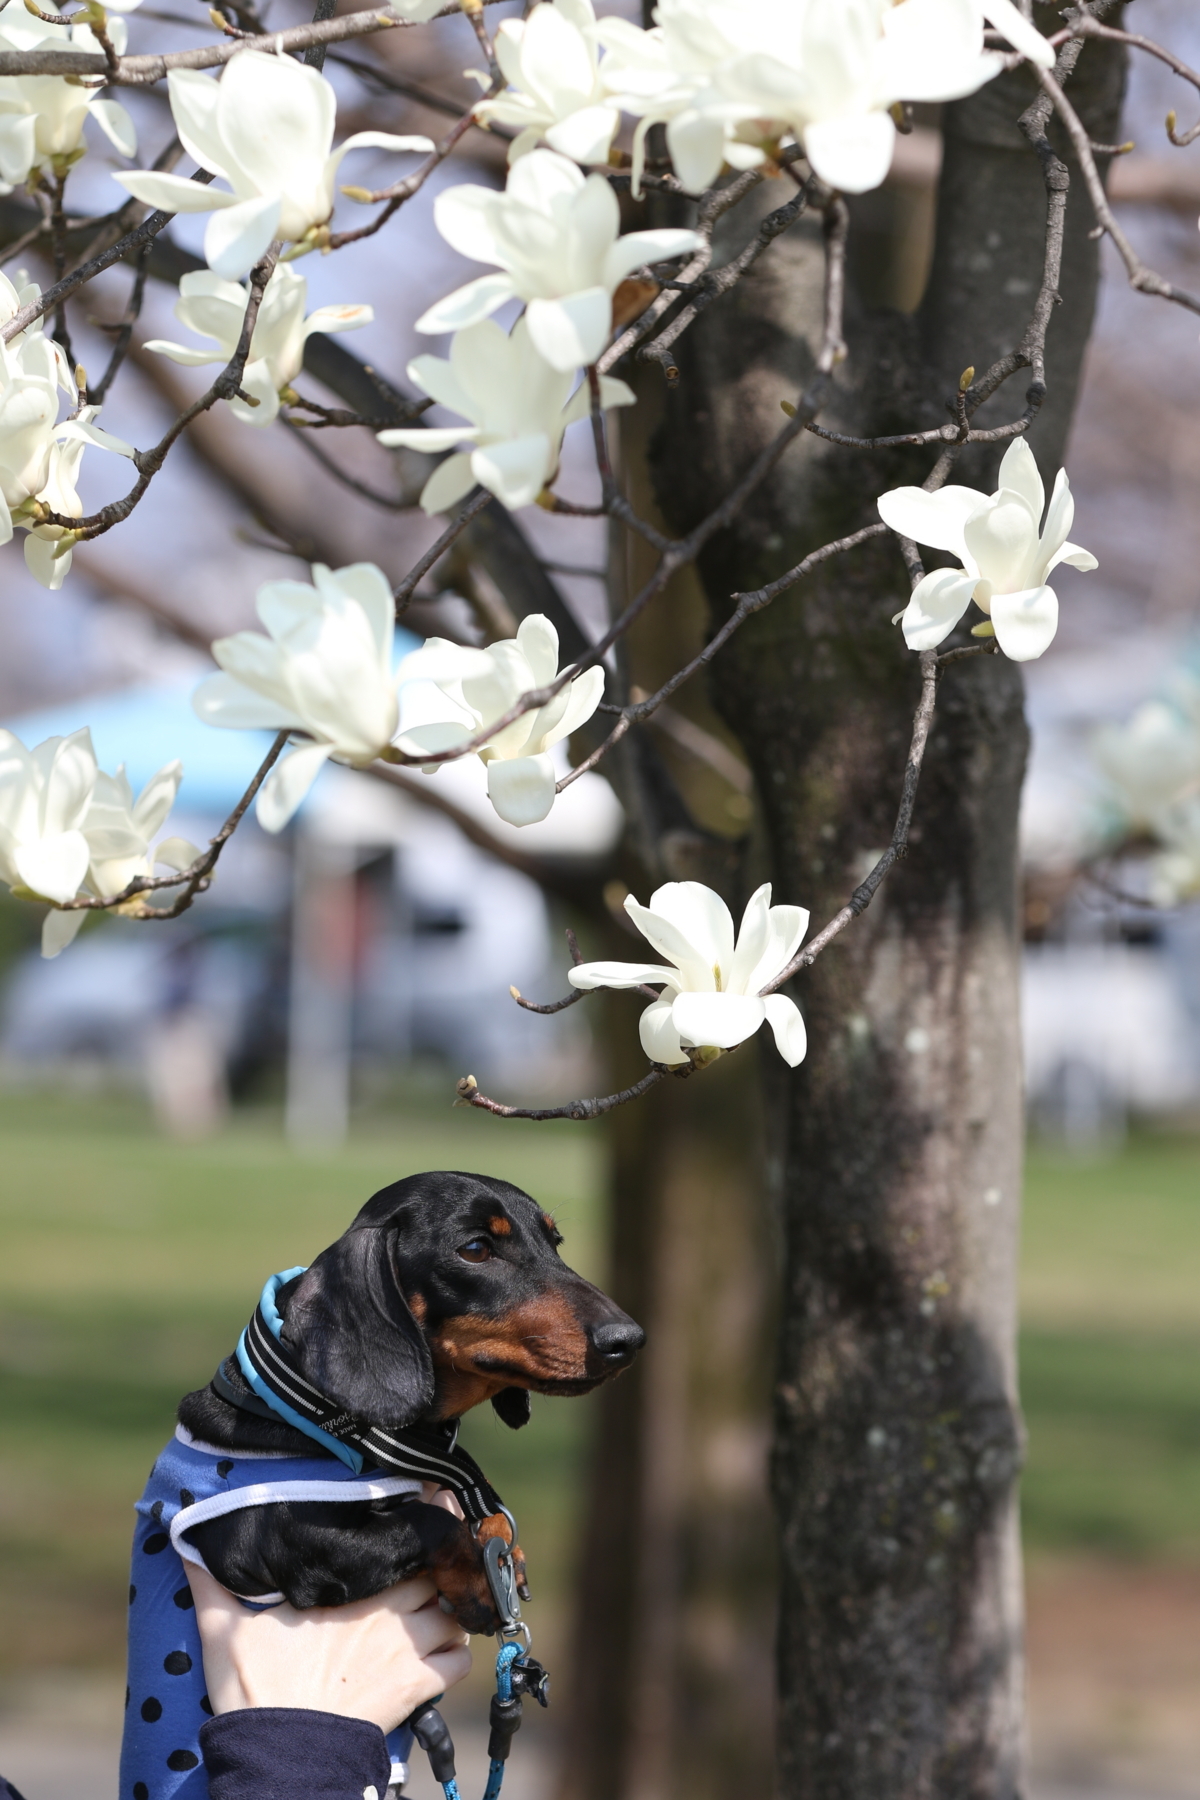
<point>284,1753</point>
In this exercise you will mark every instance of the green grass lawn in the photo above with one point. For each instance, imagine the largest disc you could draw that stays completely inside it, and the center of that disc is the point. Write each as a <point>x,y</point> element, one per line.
<point>1110,1350</point>
<point>128,1265</point>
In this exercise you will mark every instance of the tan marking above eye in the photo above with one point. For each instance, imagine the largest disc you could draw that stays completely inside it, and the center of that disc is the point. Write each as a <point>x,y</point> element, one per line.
<point>499,1226</point>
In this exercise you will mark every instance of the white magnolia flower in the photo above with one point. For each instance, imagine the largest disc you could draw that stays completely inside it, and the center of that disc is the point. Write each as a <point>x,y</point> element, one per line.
<point>1152,761</point>
<point>45,794</point>
<point>555,234</point>
<point>554,88</point>
<point>1005,559</point>
<point>518,407</point>
<point>712,995</point>
<point>266,127</point>
<point>39,458</point>
<point>324,670</point>
<point>732,77</point>
<point>119,831</point>
<point>42,116</point>
<point>481,686</point>
<point>216,309</point>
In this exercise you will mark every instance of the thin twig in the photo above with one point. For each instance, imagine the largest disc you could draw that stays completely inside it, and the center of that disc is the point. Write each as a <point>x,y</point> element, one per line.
<point>746,604</point>
<point>227,386</point>
<point>469,1095</point>
<point>475,504</point>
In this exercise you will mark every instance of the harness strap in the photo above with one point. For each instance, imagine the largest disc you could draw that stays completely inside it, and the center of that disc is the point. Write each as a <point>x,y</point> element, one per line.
<point>427,1452</point>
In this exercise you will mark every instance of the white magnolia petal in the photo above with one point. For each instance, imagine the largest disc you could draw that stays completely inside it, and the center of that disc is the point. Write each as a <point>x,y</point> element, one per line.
<point>337,318</point>
<point>1002,538</point>
<point>585,136</point>
<point>751,940</point>
<point>258,381</point>
<point>659,1038</point>
<point>236,238</point>
<point>720,1019</point>
<point>177,853</point>
<point>173,193</point>
<point>116,125</point>
<point>703,918</point>
<point>179,353</point>
<point>288,783</point>
<point>463,215</point>
<point>60,929</point>
<point>622,975</point>
<point>786,927</point>
<point>933,519</point>
<point>1025,622</point>
<point>438,378</point>
<point>1019,32</point>
<point>516,471</point>
<point>938,602</point>
<point>467,305</point>
<point>450,482</point>
<point>853,154</point>
<point>432,440</point>
<point>786,1021</point>
<point>572,331</point>
<point>224,700</point>
<point>696,143</point>
<point>521,788</point>
<point>156,799</point>
<point>585,695</point>
<point>366,584</point>
<point>1019,472</point>
<point>537,640</point>
<point>54,866</point>
<point>1076,557</point>
<point>43,564</point>
<point>638,247</point>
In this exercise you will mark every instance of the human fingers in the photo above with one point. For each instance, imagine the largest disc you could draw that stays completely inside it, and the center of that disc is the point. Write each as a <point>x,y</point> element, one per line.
<point>431,1630</point>
<point>445,1669</point>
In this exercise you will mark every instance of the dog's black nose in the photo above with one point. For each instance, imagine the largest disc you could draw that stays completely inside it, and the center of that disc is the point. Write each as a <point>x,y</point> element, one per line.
<point>619,1342</point>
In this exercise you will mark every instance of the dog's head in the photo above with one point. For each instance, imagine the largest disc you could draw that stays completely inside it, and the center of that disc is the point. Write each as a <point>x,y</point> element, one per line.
<point>448,1290</point>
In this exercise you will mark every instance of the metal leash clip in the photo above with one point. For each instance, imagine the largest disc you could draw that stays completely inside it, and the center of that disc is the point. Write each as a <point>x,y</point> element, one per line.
<point>501,1570</point>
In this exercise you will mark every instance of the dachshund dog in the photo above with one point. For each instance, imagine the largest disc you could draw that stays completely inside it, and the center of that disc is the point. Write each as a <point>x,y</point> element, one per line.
<point>446,1291</point>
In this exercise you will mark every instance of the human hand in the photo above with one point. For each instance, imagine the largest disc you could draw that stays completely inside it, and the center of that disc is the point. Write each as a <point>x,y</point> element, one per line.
<point>375,1659</point>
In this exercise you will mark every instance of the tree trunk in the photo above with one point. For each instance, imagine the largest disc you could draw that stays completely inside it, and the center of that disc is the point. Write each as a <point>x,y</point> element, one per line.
<point>672,1663</point>
<point>898,1437</point>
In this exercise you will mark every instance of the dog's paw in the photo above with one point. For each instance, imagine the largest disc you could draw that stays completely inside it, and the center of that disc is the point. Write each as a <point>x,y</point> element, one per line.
<point>461,1578</point>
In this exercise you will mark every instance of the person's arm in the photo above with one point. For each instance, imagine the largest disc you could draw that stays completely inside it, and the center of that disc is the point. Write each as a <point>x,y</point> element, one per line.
<point>303,1699</point>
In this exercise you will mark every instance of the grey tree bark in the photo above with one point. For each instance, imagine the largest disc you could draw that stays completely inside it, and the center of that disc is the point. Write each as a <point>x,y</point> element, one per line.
<point>897,1437</point>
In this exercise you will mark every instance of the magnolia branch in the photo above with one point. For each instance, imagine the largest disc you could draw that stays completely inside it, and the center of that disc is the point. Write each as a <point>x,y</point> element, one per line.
<point>746,605</point>
<point>227,386</point>
<point>144,71</point>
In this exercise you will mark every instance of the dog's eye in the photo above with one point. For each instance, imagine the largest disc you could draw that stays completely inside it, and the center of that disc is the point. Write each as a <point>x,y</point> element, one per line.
<point>477,1250</point>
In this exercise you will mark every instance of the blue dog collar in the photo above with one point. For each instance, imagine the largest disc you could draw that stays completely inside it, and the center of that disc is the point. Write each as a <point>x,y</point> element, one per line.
<point>270,1315</point>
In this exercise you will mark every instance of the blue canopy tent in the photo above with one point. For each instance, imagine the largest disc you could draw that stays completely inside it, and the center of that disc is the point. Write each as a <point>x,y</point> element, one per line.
<point>145,727</point>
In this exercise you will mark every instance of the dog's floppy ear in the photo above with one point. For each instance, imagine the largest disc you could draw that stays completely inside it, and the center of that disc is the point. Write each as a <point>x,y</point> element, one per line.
<point>513,1405</point>
<point>353,1336</point>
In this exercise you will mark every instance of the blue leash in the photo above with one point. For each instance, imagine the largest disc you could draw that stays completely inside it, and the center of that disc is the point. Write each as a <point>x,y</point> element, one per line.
<point>517,1674</point>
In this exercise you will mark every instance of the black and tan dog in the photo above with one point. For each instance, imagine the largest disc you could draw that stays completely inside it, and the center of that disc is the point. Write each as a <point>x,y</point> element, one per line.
<point>446,1291</point>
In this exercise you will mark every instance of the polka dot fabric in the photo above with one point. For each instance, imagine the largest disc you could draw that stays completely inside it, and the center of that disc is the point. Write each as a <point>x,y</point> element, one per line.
<point>166,1703</point>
